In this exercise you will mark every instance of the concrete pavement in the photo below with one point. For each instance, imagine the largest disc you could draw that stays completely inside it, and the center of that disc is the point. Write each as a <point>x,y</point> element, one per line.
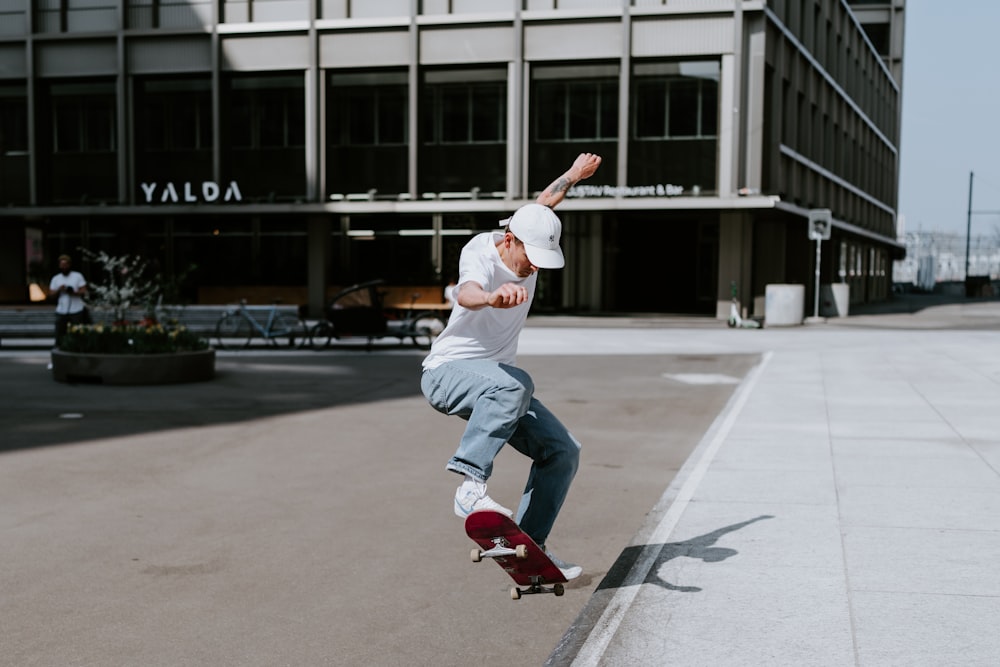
<point>844,508</point>
<point>296,509</point>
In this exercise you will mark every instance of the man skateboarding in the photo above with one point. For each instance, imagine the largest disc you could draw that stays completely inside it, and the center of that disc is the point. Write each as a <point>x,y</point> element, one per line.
<point>470,371</point>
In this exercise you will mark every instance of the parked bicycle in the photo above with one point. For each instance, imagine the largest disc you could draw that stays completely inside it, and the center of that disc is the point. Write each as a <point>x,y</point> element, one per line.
<point>239,325</point>
<point>358,311</point>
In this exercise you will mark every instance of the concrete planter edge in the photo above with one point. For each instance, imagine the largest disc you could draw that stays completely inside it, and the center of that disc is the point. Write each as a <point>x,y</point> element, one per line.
<point>133,369</point>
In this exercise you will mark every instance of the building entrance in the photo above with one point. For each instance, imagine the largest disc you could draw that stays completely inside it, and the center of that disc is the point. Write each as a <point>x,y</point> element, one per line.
<point>662,263</point>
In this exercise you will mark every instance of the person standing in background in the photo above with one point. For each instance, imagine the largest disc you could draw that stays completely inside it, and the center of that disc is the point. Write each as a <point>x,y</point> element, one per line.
<point>68,287</point>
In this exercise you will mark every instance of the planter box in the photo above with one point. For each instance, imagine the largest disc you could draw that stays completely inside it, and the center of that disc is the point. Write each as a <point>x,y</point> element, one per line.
<point>784,305</point>
<point>133,368</point>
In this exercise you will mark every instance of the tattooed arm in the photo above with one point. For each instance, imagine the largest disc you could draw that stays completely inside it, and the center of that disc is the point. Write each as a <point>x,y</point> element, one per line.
<point>583,167</point>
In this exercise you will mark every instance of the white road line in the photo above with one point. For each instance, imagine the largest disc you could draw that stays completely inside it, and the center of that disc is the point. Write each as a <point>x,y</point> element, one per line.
<point>604,629</point>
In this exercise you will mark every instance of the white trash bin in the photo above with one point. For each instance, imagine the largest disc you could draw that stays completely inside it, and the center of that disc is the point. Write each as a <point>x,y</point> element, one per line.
<point>784,305</point>
<point>835,300</point>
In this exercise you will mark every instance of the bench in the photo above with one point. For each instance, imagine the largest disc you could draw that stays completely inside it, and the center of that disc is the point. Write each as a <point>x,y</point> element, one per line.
<point>428,297</point>
<point>419,297</point>
<point>40,322</point>
<point>28,322</point>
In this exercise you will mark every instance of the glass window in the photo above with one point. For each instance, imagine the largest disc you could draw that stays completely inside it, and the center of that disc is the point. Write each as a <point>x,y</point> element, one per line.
<point>68,127</point>
<point>174,114</point>
<point>392,117</point>
<point>78,143</point>
<point>454,114</point>
<point>572,105</point>
<point>464,107</point>
<point>584,102</point>
<point>683,109</point>
<point>241,126</point>
<point>153,133</point>
<point>608,122</point>
<point>463,114</point>
<point>273,127</point>
<point>878,34</point>
<point>675,100</point>
<point>14,163</point>
<point>709,109</point>
<point>83,118</point>
<point>267,112</point>
<point>264,145</point>
<point>551,102</point>
<point>360,112</point>
<point>488,113</point>
<point>368,109</point>
<point>577,110</point>
<point>367,132</point>
<point>650,108</point>
<point>13,119</point>
<point>191,124</point>
<point>674,123</point>
<point>100,127</point>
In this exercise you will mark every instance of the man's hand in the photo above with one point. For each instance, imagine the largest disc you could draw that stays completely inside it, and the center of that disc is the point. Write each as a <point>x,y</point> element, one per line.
<point>507,296</point>
<point>472,296</point>
<point>583,167</point>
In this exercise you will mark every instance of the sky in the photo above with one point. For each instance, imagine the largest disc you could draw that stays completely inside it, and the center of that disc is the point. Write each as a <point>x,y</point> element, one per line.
<point>951,116</point>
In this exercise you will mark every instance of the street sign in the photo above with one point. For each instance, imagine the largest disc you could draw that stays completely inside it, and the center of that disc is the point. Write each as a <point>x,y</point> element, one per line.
<point>820,224</point>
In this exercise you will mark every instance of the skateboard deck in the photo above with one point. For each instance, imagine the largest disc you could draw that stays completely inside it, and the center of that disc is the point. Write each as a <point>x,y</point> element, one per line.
<point>499,538</point>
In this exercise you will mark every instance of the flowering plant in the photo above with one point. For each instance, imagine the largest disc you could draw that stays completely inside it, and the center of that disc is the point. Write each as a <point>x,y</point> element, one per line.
<point>126,289</point>
<point>123,286</point>
<point>145,337</point>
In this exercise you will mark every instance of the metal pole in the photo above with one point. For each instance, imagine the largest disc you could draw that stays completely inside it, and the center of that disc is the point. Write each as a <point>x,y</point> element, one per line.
<point>968,232</point>
<point>816,299</point>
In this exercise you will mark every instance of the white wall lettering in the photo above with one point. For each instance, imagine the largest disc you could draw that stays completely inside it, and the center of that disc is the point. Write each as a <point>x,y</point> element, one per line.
<point>147,190</point>
<point>209,192</point>
<point>169,192</point>
<point>233,192</point>
<point>659,190</point>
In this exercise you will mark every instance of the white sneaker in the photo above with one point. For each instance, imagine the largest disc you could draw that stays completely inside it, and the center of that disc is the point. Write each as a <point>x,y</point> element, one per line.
<point>471,496</point>
<point>569,570</point>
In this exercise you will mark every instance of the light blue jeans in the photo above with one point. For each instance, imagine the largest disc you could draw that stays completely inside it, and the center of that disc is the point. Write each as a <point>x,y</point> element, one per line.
<point>498,403</point>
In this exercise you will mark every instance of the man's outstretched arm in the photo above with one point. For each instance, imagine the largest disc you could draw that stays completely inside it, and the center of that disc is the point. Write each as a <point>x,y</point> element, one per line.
<point>583,167</point>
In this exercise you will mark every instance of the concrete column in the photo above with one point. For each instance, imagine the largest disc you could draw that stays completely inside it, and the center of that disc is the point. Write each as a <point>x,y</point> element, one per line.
<point>727,126</point>
<point>318,242</point>
<point>754,110</point>
<point>735,255</point>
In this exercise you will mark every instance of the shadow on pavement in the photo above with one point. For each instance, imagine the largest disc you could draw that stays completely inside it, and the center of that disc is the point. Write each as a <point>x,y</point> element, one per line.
<point>702,548</point>
<point>39,412</point>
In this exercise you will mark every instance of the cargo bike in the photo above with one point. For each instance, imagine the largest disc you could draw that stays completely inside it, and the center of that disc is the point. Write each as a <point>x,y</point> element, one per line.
<point>359,311</point>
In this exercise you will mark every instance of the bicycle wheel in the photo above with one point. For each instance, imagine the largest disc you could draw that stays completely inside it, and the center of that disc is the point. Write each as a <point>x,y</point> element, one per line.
<point>321,335</point>
<point>427,326</point>
<point>292,328</point>
<point>233,331</point>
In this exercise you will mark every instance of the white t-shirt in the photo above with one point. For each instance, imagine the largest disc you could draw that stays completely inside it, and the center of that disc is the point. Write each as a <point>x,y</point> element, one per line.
<point>487,333</point>
<point>68,303</point>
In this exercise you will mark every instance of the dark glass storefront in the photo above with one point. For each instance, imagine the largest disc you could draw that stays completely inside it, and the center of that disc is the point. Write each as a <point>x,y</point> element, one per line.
<point>461,148</point>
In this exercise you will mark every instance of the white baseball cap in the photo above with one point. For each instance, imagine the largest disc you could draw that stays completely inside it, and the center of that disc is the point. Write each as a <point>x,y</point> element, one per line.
<point>538,228</point>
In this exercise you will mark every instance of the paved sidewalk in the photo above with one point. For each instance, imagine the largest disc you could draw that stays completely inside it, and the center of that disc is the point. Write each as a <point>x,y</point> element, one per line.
<point>844,509</point>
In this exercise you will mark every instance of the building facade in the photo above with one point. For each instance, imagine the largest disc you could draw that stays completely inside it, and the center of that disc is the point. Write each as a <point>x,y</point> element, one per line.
<point>307,144</point>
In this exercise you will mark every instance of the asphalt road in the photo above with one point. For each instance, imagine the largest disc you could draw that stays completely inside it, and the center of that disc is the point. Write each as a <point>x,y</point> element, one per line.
<point>296,510</point>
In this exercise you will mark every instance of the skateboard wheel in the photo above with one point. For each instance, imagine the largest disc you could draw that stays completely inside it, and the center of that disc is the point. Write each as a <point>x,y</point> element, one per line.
<point>515,594</point>
<point>521,551</point>
<point>558,589</point>
<point>477,555</point>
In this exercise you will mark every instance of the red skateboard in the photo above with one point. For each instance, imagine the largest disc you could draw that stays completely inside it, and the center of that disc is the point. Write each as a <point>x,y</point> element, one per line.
<point>499,538</point>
